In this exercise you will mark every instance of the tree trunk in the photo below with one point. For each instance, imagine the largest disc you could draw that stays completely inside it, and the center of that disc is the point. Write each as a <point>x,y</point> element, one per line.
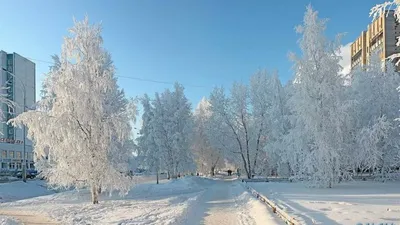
<point>241,148</point>
<point>157,178</point>
<point>247,146</point>
<point>99,190</point>
<point>248,173</point>
<point>213,167</point>
<point>176,170</point>
<point>258,143</point>
<point>212,171</point>
<point>249,164</point>
<point>168,175</point>
<point>95,195</point>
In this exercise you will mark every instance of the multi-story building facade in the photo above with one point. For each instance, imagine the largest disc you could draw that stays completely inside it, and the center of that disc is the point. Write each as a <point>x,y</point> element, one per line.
<point>17,80</point>
<point>380,37</point>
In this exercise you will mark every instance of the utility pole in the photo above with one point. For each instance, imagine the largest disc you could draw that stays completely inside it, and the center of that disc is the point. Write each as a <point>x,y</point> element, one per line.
<point>24,134</point>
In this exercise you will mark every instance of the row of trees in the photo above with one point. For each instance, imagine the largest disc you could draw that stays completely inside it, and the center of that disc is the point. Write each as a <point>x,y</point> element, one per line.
<point>321,127</point>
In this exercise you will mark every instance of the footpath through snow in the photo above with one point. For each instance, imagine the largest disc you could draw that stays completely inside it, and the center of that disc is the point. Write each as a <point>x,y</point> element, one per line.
<point>191,200</point>
<point>225,202</point>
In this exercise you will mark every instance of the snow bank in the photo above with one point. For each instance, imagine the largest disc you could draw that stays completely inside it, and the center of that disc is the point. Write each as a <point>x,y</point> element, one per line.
<point>18,190</point>
<point>348,203</point>
<point>8,221</point>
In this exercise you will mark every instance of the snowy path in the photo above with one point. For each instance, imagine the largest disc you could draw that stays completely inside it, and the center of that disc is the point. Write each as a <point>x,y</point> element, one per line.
<point>27,218</point>
<point>225,202</point>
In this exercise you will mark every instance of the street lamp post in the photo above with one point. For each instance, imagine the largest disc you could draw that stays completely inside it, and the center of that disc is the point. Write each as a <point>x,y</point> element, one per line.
<point>24,127</point>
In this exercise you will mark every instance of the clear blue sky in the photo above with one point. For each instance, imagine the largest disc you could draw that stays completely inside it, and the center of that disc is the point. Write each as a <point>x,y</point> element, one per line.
<point>195,42</point>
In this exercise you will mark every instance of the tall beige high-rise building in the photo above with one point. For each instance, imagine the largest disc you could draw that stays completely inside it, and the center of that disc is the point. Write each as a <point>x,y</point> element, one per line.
<point>380,36</point>
<point>17,78</point>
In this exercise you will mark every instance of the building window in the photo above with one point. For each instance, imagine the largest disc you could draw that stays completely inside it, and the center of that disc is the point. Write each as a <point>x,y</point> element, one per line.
<point>11,153</point>
<point>32,166</point>
<point>19,155</point>
<point>4,165</point>
<point>4,154</point>
<point>19,166</point>
<point>12,165</point>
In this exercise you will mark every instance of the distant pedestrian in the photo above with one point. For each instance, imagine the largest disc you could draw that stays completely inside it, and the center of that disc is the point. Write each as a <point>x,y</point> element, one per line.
<point>229,172</point>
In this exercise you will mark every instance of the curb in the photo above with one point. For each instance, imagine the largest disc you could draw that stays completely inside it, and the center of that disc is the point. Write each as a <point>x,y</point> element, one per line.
<point>275,209</point>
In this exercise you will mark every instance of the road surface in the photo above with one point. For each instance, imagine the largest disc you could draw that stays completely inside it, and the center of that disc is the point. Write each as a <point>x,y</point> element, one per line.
<point>226,202</point>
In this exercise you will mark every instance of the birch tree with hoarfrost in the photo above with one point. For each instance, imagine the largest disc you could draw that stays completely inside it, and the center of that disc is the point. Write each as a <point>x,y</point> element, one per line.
<point>87,127</point>
<point>245,121</point>
<point>377,11</point>
<point>375,110</point>
<point>172,127</point>
<point>234,115</point>
<point>148,150</point>
<point>316,104</point>
<point>208,157</point>
<point>266,98</point>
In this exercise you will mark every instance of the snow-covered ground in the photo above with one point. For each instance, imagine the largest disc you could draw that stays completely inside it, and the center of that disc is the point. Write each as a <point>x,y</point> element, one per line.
<point>348,203</point>
<point>5,179</point>
<point>19,190</point>
<point>4,220</point>
<point>190,200</point>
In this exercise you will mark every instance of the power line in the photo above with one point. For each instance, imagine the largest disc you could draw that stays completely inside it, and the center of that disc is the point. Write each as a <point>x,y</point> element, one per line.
<point>158,81</point>
<point>133,78</point>
<point>38,60</point>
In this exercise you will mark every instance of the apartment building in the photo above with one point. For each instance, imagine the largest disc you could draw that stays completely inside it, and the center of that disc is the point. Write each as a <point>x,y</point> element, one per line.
<point>380,37</point>
<point>17,77</point>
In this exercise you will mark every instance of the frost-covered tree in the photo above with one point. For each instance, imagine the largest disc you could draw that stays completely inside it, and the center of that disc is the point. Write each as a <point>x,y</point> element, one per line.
<point>247,120</point>
<point>258,98</point>
<point>47,94</point>
<point>147,147</point>
<point>377,11</point>
<point>375,108</point>
<point>315,103</point>
<point>172,127</point>
<point>88,124</point>
<point>207,157</point>
<point>234,118</point>
<point>267,99</point>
